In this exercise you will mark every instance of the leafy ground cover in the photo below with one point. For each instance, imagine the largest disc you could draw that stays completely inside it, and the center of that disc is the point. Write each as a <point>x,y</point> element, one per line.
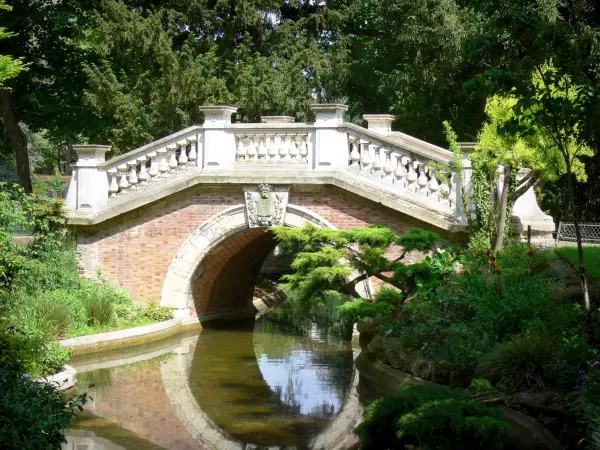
<point>591,258</point>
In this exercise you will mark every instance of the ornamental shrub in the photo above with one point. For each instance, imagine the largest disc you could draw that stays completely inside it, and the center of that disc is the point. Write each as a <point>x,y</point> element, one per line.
<point>34,415</point>
<point>430,417</point>
<point>158,313</point>
<point>524,362</point>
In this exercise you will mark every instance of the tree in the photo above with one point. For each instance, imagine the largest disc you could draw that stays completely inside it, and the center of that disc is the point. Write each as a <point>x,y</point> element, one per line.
<point>552,113</point>
<point>544,54</point>
<point>512,153</point>
<point>10,67</point>
<point>157,63</point>
<point>333,262</point>
<point>406,58</point>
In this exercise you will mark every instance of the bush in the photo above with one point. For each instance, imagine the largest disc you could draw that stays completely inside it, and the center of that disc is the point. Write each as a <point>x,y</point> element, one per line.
<point>29,352</point>
<point>430,417</point>
<point>50,314</point>
<point>524,362</point>
<point>34,415</point>
<point>158,313</point>
<point>99,302</point>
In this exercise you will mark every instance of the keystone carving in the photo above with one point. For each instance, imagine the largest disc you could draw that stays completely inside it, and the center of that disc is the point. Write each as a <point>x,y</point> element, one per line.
<point>266,204</point>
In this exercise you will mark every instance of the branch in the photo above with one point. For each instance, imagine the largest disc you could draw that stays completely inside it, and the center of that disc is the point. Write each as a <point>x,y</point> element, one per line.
<point>530,180</point>
<point>350,287</point>
<point>399,258</point>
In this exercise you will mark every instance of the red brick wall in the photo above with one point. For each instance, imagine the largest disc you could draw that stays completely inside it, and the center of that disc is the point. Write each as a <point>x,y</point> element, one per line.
<point>228,273</point>
<point>134,251</point>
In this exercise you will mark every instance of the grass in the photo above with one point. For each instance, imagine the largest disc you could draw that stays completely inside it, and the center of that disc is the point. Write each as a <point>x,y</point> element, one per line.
<point>81,329</point>
<point>591,258</point>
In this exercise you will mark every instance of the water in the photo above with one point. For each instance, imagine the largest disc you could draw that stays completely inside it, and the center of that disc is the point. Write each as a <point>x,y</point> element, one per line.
<point>279,383</point>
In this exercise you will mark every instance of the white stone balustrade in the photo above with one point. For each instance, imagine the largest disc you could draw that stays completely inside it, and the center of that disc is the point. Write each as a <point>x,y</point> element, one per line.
<point>402,169</point>
<point>272,148</point>
<point>397,165</point>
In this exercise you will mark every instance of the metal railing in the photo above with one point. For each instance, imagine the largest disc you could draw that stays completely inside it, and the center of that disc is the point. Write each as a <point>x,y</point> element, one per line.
<point>590,232</point>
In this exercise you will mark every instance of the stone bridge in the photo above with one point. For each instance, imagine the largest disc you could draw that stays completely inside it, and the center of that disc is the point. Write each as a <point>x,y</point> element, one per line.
<point>182,220</point>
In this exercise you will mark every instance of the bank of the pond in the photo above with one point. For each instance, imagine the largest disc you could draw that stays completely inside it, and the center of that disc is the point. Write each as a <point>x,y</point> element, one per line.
<point>113,340</point>
<point>527,434</point>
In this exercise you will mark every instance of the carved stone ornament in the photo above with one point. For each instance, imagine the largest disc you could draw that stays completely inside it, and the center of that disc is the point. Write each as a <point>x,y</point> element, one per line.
<point>266,204</point>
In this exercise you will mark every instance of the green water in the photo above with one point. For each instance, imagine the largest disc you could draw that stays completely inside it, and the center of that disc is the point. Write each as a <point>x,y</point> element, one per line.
<point>278,383</point>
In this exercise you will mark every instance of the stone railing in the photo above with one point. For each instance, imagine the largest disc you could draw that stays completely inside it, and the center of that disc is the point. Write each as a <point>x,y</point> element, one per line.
<point>403,168</point>
<point>152,164</point>
<point>375,157</point>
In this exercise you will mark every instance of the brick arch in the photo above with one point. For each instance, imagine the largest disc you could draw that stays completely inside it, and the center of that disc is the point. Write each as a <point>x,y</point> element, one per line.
<point>223,283</point>
<point>215,268</point>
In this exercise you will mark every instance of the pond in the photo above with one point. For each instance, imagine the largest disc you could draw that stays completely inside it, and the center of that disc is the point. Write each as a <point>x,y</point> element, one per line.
<point>277,383</point>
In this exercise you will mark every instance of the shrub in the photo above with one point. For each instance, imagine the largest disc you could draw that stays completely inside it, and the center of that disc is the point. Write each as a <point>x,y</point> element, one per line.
<point>524,362</point>
<point>33,415</point>
<point>99,303</point>
<point>50,314</point>
<point>430,417</point>
<point>158,313</point>
<point>362,310</point>
<point>29,352</point>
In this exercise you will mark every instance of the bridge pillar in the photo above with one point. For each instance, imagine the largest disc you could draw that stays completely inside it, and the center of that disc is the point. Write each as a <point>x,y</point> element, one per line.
<point>331,144</point>
<point>219,147</point>
<point>88,190</point>
<point>380,123</point>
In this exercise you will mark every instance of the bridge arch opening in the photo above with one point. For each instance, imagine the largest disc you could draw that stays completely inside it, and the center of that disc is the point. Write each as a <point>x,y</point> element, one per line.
<point>215,270</point>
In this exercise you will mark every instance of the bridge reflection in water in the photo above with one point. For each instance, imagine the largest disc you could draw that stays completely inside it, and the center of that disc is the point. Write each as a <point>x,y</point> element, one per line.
<point>262,385</point>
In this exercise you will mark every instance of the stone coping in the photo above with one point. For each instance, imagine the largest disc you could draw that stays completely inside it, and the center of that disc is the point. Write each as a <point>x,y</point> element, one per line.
<point>62,380</point>
<point>130,336</point>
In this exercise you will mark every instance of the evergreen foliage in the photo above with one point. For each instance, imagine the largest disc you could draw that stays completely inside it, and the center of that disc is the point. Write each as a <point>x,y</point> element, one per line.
<point>431,417</point>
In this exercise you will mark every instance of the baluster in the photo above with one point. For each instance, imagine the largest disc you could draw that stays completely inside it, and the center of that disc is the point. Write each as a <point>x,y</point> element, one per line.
<point>193,154</point>
<point>304,148</point>
<point>123,183</point>
<point>422,180</point>
<point>143,175</point>
<point>163,164</point>
<point>273,148</point>
<point>283,148</point>
<point>241,148</point>
<point>113,186</point>
<point>132,178</point>
<point>354,154</point>
<point>445,187</point>
<point>377,164</point>
<point>294,150</point>
<point>251,149</point>
<point>454,191</point>
<point>411,176</point>
<point>400,171</point>
<point>433,186</point>
<point>172,149</point>
<point>387,166</point>
<point>366,157</point>
<point>183,157</point>
<point>262,150</point>
<point>153,171</point>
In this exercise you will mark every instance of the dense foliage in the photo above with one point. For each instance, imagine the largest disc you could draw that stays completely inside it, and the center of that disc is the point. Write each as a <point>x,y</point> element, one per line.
<point>33,415</point>
<point>41,292</point>
<point>431,417</point>
<point>513,317</point>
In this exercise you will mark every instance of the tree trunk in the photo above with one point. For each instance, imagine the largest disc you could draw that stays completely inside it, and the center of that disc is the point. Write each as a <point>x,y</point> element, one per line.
<point>18,140</point>
<point>583,277</point>
<point>503,210</point>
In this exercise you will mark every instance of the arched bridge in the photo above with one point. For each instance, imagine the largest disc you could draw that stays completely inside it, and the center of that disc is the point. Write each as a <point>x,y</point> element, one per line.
<point>182,219</point>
